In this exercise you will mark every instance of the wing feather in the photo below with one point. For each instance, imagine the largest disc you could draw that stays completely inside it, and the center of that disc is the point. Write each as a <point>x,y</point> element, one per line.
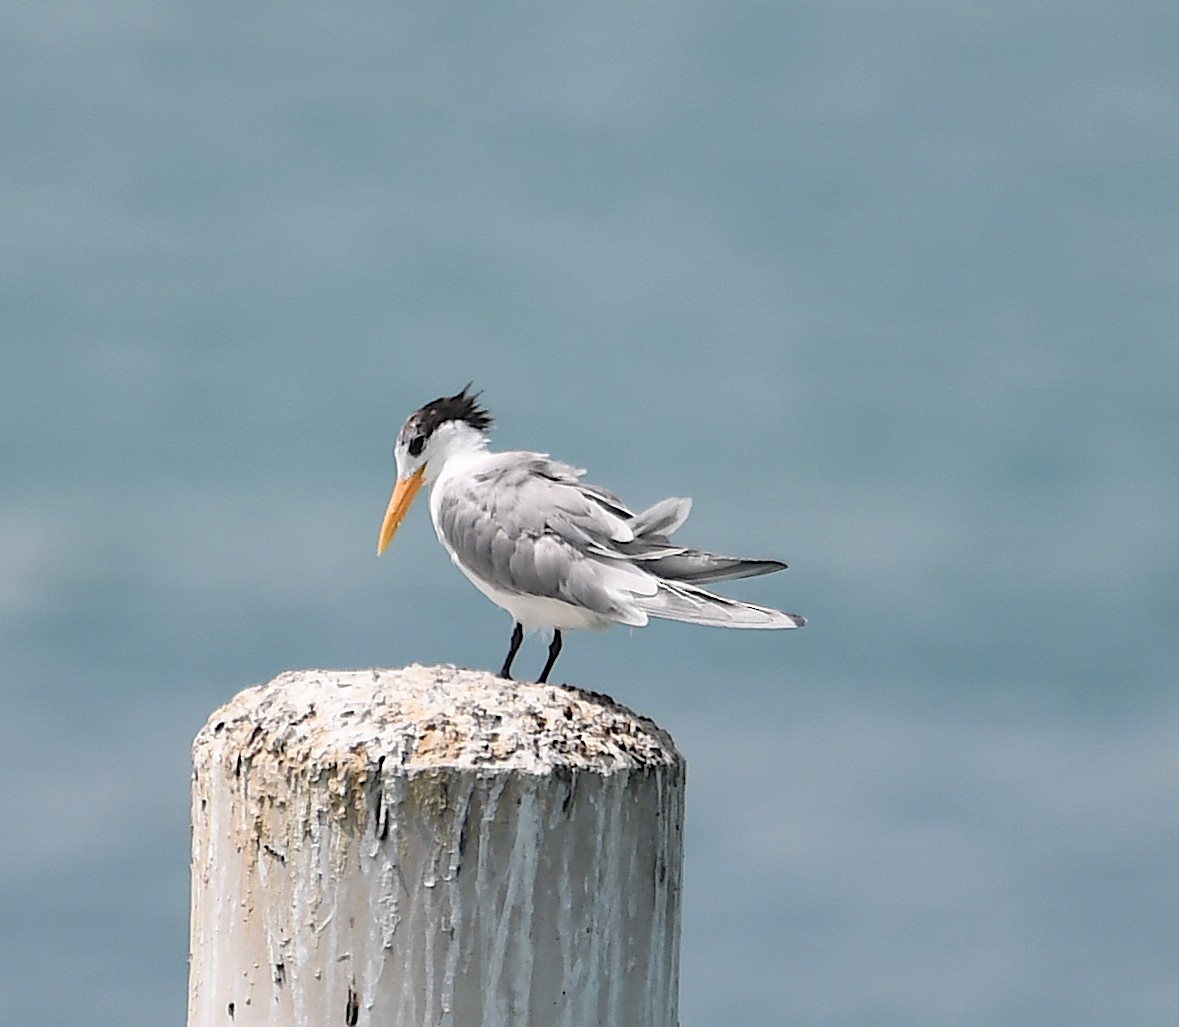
<point>663,517</point>
<point>531,528</point>
<point>527,525</point>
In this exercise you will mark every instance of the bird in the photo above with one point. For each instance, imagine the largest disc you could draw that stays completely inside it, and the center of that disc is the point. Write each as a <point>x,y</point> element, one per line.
<point>556,552</point>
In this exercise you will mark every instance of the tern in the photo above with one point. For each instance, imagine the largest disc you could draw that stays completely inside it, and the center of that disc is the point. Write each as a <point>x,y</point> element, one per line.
<point>555,552</point>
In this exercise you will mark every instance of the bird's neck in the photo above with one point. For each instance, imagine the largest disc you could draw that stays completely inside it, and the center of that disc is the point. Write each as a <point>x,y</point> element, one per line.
<point>454,442</point>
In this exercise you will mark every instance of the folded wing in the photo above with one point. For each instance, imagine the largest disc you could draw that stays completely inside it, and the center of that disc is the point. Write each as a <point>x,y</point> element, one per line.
<point>527,525</point>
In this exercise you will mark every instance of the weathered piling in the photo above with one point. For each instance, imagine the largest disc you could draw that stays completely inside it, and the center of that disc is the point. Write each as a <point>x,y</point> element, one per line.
<point>433,846</point>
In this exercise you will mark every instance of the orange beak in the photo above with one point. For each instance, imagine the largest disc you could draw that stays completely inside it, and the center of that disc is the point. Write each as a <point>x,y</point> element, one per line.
<point>403,495</point>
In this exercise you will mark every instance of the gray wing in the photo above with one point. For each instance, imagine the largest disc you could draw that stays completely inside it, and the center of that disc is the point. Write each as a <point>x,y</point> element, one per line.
<point>527,526</point>
<point>672,562</point>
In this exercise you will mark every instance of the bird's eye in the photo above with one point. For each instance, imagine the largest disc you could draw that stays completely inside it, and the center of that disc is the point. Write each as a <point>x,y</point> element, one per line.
<point>416,444</point>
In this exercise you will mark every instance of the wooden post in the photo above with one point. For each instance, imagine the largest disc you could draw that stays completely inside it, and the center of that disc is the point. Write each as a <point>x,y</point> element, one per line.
<point>433,847</point>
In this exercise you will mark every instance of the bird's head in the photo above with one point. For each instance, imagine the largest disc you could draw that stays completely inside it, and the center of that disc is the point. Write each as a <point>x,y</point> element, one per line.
<point>429,437</point>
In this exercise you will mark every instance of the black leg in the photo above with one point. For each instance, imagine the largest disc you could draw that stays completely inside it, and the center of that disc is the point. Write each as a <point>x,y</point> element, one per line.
<point>517,638</point>
<point>554,651</point>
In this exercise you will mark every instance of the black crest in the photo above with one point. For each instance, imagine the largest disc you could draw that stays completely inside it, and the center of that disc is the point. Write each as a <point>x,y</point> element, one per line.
<point>462,406</point>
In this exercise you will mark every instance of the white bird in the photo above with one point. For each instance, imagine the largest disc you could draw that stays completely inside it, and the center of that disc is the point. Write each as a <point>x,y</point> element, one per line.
<point>550,549</point>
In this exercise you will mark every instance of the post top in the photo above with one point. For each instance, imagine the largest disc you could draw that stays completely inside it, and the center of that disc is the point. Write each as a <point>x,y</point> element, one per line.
<point>422,718</point>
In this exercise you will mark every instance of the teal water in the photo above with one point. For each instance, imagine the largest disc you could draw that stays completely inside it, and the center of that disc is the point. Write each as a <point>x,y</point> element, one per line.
<point>890,292</point>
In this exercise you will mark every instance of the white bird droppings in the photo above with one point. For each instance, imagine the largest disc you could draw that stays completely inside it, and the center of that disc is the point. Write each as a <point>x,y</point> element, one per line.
<point>433,846</point>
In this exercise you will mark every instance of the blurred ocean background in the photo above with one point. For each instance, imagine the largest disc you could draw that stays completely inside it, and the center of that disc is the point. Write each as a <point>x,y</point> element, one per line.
<point>891,290</point>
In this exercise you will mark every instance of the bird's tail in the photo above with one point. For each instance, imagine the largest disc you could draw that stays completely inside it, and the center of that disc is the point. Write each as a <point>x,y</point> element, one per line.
<point>678,600</point>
